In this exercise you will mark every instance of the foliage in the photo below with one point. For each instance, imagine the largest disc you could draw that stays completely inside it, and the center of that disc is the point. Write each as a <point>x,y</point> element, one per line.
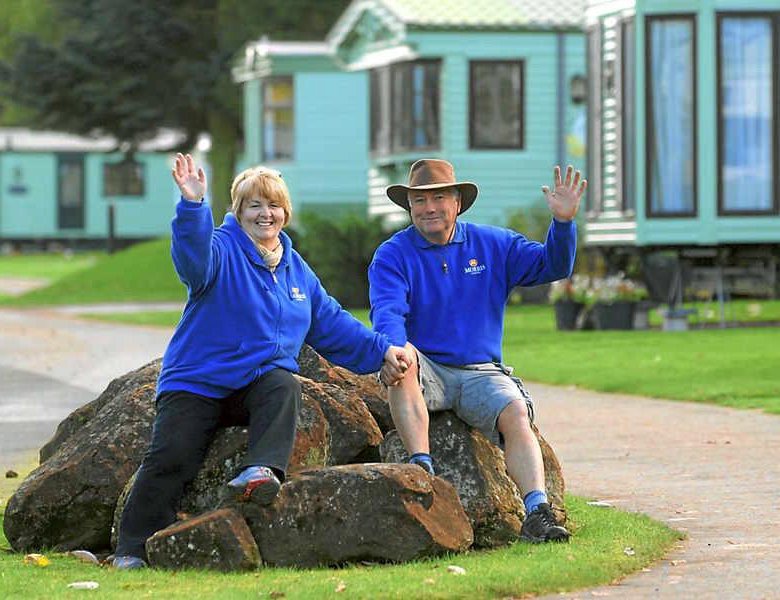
<point>128,68</point>
<point>340,252</point>
<point>574,290</point>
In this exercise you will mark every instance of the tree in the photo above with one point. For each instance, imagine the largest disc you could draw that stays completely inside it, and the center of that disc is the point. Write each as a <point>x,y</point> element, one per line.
<point>128,68</point>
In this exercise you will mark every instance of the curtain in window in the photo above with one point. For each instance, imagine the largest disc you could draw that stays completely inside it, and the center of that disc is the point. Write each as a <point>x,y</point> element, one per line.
<point>278,119</point>
<point>746,125</point>
<point>671,155</point>
<point>497,111</point>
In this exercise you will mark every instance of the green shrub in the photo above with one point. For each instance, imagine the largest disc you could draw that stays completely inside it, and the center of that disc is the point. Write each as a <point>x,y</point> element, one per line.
<point>339,251</point>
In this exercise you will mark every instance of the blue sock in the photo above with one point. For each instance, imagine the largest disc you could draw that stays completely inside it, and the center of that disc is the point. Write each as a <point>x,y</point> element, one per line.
<point>424,460</point>
<point>533,499</point>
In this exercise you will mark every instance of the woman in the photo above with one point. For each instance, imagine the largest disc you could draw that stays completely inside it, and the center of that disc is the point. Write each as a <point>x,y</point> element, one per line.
<point>252,302</point>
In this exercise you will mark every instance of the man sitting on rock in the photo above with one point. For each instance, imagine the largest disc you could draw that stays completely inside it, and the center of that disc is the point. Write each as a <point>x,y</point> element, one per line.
<point>439,288</point>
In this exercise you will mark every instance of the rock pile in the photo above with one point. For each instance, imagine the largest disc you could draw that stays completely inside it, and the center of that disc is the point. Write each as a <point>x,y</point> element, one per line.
<point>339,503</point>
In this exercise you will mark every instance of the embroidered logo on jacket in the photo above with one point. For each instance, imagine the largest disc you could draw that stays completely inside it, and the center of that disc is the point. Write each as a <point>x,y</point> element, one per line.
<point>296,294</point>
<point>474,267</point>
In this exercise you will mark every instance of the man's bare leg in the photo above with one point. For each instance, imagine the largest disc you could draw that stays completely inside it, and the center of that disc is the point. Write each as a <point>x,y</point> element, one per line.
<point>521,448</point>
<point>410,415</point>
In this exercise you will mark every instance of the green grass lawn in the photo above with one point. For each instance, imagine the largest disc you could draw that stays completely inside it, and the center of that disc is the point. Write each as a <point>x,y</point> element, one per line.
<point>142,273</point>
<point>731,367</point>
<point>596,555</point>
<point>46,266</point>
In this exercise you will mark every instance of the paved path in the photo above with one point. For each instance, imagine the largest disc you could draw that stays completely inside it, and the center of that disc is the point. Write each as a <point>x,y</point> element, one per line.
<point>711,471</point>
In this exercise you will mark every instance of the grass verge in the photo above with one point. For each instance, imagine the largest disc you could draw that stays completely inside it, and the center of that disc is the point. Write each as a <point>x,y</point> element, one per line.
<point>46,266</point>
<point>142,273</point>
<point>608,545</point>
<point>729,367</point>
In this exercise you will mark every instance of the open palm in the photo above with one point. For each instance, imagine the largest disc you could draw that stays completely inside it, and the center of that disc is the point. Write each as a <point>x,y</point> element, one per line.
<point>564,199</point>
<point>191,181</point>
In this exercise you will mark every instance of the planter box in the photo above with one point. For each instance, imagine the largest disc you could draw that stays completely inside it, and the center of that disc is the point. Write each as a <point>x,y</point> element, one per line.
<point>566,313</point>
<point>615,315</point>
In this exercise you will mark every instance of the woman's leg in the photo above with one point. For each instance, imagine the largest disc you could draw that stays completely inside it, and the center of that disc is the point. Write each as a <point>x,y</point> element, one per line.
<point>183,428</point>
<point>272,403</point>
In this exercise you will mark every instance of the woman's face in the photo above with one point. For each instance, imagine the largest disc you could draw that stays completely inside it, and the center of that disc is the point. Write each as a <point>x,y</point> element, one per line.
<point>262,220</point>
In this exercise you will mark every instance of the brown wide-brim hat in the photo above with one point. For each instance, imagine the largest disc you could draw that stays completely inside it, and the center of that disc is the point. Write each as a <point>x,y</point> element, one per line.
<point>431,174</point>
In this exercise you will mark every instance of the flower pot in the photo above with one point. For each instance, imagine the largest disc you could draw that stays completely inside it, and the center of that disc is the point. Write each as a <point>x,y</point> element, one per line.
<point>566,313</point>
<point>614,315</point>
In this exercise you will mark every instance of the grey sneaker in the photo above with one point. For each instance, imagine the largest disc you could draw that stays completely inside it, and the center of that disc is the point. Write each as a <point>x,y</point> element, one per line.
<point>258,484</point>
<point>540,526</point>
<point>128,563</point>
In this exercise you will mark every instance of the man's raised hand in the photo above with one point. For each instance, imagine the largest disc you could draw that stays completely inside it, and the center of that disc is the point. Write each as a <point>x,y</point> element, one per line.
<point>191,181</point>
<point>564,199</point>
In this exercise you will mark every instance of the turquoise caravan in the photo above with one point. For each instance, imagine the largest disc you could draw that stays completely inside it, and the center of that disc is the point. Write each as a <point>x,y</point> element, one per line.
<point>497,87</point>
<point>308,119</point>
<point>59,187</point>
<point>685,135</point>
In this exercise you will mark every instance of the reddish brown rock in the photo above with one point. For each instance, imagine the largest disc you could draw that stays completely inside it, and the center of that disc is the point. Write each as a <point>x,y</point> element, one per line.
<point>365,387</point>
<point>370,512</point>
<point>219,540</point>
<point>68,502</point>
<point>476,467</point>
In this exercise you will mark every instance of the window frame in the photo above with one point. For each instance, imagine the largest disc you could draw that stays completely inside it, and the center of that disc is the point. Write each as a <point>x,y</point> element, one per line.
<point>650,128</point>
<point>774,17</point>
<point>628,121</point>
<point>127,164</point>
<point>385,77</point>
<point>264,107</point>
<point>519,62</point>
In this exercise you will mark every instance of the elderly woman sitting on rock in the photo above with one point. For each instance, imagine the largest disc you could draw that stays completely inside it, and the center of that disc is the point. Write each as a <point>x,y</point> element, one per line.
<point>252,302</point>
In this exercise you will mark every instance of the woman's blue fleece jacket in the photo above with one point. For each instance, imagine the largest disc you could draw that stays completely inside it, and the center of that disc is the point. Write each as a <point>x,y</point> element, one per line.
<point>241,320</point>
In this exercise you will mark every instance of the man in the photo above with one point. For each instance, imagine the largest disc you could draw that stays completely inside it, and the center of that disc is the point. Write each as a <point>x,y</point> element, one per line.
<point>439,288</point>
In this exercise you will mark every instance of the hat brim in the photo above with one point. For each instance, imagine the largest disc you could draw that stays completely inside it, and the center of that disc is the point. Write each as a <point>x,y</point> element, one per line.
<point>468,193</point>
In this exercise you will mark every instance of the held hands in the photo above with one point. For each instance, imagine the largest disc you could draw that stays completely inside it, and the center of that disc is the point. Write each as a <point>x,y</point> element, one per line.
<point>191,181</point>
<point>564,199</point>
<point>395,365</point>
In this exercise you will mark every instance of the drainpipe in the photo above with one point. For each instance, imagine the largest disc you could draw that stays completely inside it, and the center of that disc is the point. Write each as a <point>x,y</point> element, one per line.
<point>560,107</point>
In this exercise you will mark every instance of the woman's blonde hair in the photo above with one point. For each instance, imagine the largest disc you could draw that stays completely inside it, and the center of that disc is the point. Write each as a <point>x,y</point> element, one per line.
<point>260,182</point>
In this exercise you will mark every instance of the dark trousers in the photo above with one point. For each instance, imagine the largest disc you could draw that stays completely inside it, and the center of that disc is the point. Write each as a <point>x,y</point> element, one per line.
<point>183,429</point>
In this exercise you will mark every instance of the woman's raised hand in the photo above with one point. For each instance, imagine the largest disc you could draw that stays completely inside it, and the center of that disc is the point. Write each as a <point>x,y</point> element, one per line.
<point>191,181</point>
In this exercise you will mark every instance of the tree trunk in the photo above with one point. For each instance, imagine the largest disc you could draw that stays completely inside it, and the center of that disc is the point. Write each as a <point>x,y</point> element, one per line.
<point>222,159</point>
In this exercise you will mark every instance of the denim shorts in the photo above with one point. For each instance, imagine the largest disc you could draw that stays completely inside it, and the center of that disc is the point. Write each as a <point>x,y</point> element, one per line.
<point>476,393</point>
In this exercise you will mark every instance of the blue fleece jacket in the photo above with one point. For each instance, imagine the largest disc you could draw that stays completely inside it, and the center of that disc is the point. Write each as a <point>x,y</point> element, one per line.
<point>241,320</point>
<point>448,300</point>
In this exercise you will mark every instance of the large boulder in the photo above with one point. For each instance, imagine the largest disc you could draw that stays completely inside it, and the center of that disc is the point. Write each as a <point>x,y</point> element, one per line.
<point>219,540</point>
<point>68,502</point>
<point>476,467</point>
<point>365,387</point>
<point>369,511</point>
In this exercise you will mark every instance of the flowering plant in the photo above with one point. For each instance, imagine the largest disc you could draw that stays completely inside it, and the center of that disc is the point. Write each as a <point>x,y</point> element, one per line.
<point>617,288</point>
<point>572,290</point>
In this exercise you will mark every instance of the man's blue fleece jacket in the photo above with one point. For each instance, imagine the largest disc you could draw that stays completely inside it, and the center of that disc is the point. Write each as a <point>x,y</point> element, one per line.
<point>448,300</point>
<point>241,320</point>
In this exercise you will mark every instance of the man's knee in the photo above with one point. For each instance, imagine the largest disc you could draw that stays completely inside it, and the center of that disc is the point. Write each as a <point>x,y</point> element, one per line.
<point>410,382</point>
<point>514,417</point>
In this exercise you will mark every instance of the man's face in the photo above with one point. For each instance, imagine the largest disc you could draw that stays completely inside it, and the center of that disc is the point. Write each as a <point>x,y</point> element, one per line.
<point>434,212</point>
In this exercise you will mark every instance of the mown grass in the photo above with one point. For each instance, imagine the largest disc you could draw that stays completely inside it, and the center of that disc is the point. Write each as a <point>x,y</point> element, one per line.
<point>46,266</point>
<point>730,367</point>
<point>608,544</point>
<point>142,273</point>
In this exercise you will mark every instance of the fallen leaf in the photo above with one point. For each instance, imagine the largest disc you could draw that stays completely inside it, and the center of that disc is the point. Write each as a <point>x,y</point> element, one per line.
<point>10,474</point>
<point>456,570</point>
<point>600,504</point>
<point>39,560</point>
<point>676,563</point>
<point>429,581</point>
<point>84,585</point>
<point>84,556</point>
<point>276,594</point>
<point>628,551</point>
<point>341,587</point>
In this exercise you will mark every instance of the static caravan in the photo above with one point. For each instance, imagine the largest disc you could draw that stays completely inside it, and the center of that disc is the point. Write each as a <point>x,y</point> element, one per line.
<point>59,187</point>
<point>685,136</point>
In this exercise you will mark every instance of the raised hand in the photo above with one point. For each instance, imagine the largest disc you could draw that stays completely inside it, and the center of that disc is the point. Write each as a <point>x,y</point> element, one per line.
<point>191,181</point>
<point>564,199</point>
